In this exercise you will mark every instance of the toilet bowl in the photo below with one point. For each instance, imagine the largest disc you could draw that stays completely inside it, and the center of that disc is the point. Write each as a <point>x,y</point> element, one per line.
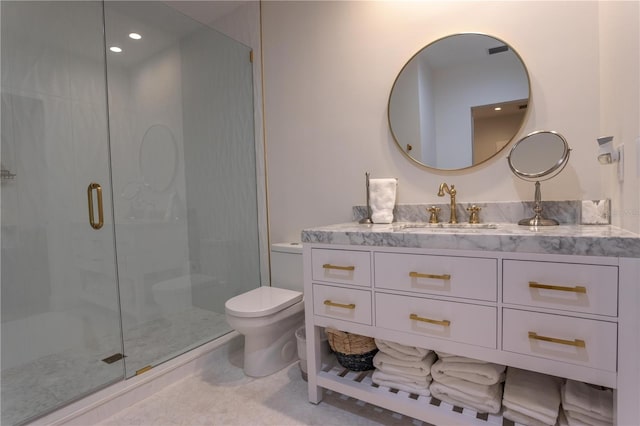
<point>268,318</point>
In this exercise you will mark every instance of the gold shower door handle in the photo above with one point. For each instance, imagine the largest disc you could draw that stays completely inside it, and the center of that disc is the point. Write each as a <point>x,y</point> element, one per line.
<point>95,186</point>
<point>576,342</point>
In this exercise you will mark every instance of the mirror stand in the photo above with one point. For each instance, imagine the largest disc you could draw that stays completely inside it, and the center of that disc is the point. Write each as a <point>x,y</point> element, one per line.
<point>538,220</point>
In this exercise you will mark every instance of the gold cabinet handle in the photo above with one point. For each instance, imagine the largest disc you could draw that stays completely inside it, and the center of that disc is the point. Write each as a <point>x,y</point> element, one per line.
<point>445,277</point>
<point>95,186</point>
<point>444,323</point>
<point>340,305</point>
<point>342,268</point>
<point>576,342</point>
<point>576,289</point>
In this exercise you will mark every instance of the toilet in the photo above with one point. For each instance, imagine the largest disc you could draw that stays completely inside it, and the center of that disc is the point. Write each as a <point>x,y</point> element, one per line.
<point>268,317</point>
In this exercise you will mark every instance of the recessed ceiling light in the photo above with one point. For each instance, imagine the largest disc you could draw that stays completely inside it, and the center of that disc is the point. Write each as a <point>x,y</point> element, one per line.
<point>115,49</point>
<point>135,36</point>
<point>497,109</point>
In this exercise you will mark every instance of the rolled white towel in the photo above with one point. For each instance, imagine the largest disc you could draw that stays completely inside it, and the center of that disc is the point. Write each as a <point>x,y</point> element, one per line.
<point>523,419</point>
<point>382,199</point>
<point>578,419</point>
<point>381,379</point>
<point>533,394</point>
<point>389,364</point>
<point>490,404</point>
<point>409,353</point>
<point>585,399</point>
<point>482,373</point>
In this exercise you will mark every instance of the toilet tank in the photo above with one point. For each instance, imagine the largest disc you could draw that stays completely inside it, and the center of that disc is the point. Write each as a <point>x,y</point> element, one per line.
<point>286,266</point>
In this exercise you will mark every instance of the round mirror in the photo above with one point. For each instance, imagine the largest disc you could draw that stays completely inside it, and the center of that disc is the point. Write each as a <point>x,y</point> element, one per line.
<point>459,101</point>
<point>158,157</point>
<point>539,156</point>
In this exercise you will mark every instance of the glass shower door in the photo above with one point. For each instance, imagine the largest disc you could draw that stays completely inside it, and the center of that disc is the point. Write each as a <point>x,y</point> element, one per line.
<point>183,155</point>
<point>61,336</point>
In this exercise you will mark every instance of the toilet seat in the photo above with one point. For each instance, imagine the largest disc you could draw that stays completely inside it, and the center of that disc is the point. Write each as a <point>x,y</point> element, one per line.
<point>262,301</point>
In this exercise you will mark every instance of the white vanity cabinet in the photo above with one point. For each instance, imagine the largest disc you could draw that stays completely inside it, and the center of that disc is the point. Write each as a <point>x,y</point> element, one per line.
<point>565,315</point>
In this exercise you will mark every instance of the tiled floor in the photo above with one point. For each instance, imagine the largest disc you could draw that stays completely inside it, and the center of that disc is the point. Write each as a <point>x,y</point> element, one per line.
<point>225,396</point>
<point>54,379</point>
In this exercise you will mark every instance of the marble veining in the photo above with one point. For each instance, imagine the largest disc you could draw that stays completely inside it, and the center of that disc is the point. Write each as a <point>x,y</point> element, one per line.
<point>570,212</point>
<point>585,240</point>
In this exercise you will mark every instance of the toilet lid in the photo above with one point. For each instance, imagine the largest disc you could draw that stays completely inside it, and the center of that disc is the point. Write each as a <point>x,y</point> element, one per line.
<point>262,301</point>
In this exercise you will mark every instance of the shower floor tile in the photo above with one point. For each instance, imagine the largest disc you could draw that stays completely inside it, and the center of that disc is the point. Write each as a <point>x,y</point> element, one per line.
<point>52,380</point>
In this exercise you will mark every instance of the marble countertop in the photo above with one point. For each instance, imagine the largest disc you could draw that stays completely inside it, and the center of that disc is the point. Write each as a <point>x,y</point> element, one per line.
<point>585,240</point>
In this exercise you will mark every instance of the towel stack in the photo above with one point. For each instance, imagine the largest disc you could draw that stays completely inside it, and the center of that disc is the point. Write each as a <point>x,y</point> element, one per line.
<point>531,398</point>
<point>401,367</point>
<point>584,404</point>
<point>468,383</point>
<point>382,194</point>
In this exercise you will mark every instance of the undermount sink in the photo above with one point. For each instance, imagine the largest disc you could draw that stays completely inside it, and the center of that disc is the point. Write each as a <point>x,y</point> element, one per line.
<point>447,225</point>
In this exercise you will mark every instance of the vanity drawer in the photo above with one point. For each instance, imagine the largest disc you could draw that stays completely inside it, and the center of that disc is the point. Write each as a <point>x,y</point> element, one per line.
<point>342,303</point>
<point>466,277</point>
<point>568,286</point>
<point>459,322</point>
<point>580,341</point>
<point>341,266</point>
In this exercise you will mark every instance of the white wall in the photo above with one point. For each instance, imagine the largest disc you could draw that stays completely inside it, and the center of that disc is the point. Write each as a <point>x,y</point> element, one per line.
<point>620,104</point>
<point>329,67</point>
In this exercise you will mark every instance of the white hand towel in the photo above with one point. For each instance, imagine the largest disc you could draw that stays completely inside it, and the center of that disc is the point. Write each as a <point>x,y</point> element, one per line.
<point>585,399</point>
<point>382,199</point>
<point>523,419</point>
<point>472,389</point>
<point>380,379</point>
<point>455,358</point>
<point>490,404</point>
<point>578,419</point>
<point>399,351</point>
<point>534,394</point>
<point>389,364</point>
<point>483,374</point>
<point>420,381</point>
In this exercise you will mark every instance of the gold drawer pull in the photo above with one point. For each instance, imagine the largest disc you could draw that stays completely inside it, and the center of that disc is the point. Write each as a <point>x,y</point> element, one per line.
<point>342,268</point>
<point>340,305</point>
<point>576,289</point>
<point>435,277</point>
<point>576,342</point>
<point>445,323</point>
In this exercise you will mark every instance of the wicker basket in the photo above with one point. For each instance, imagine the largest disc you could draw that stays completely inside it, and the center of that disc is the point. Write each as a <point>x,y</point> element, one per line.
<point>353,351</point>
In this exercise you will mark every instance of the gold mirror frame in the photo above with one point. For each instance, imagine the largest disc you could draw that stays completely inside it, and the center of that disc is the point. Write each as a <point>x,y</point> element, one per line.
<point>406,146</point>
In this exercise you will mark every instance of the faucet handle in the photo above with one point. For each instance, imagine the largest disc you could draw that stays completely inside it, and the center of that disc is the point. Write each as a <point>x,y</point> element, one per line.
<point>473,214</point>
<point>433,217</point>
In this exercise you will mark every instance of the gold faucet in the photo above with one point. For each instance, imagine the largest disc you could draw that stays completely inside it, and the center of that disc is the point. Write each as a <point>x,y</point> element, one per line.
<point>453,218</point>
<point>433,217</point>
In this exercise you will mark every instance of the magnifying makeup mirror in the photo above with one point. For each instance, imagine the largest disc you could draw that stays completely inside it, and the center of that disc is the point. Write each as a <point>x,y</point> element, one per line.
<point>539,156</point>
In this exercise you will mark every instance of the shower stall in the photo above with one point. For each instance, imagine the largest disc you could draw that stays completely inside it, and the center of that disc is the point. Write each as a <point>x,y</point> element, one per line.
<point>129,199</point>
